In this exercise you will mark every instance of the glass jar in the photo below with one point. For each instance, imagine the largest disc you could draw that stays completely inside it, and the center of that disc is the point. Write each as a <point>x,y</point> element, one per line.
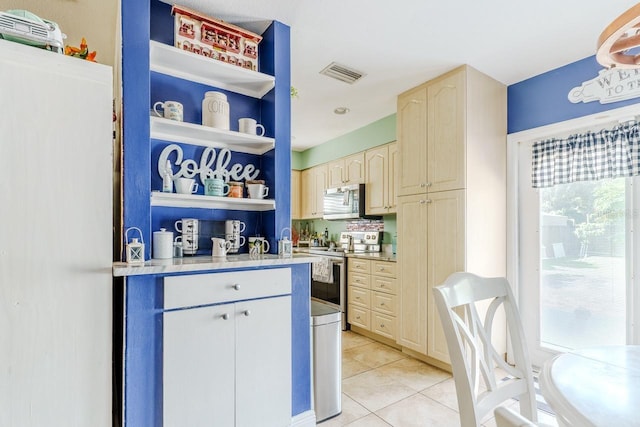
<point>236,189</point>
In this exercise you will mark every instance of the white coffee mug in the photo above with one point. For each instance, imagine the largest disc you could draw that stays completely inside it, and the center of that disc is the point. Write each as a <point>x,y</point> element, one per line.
<point>257,191</point>
<point>234,226</point>
<point>189,243</point>
<point>187,226</point>
<point>220,247</point>
<point>172,110</point>
<point>258,244</point>
<point>185,185</point>
<point>250,126</point>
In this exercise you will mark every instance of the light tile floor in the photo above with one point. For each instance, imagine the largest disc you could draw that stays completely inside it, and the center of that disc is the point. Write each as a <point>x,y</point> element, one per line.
<point>383,387</point>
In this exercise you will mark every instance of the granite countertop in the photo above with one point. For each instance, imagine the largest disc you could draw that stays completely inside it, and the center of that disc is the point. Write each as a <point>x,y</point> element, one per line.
<point>376,256</point>
<point>205,263</point>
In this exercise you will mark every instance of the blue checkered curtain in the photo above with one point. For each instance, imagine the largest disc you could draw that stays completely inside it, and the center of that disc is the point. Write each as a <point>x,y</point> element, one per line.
<point>609,153</point>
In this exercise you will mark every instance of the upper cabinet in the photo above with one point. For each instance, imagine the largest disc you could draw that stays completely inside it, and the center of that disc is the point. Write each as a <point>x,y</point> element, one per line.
<point>346,170</point>
<point>313,182</point>
<point>431,134</point>
<point>296,212</point>
<point>381,168</point>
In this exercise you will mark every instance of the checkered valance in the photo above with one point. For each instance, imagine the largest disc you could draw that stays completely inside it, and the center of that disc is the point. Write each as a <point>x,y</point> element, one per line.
<point>587,157</point>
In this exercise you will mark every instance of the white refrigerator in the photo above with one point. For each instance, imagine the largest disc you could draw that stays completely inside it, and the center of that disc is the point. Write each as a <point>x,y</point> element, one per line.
<point>55,239</point>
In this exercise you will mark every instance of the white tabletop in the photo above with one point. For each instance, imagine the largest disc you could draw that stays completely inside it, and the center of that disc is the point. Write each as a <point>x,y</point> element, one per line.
<point>594,387</point>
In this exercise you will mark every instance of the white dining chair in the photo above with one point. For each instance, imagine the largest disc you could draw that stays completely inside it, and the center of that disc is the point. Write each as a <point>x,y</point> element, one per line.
<point>506,417</point>
<point>473,357</point>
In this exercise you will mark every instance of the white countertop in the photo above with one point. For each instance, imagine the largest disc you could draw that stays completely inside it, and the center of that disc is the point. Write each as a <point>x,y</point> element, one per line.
<point>376,256</point>
<point>204,263</point>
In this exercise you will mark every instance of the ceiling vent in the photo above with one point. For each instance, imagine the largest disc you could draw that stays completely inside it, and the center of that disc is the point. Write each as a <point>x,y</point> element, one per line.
<point>342,73</point>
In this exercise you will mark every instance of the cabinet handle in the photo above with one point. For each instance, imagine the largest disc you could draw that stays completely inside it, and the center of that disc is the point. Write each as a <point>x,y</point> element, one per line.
<point>236,287</point>
<point>422,202</point>
<point>225,316</point>
<point>381,304</point>
<point>416,101</point>
<point>246,313</point>
<point>382,325</point>
<point>429,184</point>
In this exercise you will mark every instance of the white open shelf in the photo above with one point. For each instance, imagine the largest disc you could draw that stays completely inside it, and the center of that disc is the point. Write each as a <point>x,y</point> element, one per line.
<point>174,62</point>
<point>176,200</point>
<point>206,136</point>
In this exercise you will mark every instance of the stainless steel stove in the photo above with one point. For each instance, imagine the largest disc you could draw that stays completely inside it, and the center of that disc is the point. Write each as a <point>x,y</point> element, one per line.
<point>329,279</point>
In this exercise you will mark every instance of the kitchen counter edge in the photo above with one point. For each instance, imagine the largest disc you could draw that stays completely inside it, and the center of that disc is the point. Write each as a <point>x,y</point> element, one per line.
<point>205,263</point>
<point>377,256</point>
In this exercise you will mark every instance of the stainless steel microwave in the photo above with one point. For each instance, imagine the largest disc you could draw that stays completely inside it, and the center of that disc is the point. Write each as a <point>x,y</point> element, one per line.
<point>347,202</point>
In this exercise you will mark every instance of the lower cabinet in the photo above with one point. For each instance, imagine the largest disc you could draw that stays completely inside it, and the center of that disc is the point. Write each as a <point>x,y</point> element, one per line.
<point>372,301</point>
<point>228,364</point>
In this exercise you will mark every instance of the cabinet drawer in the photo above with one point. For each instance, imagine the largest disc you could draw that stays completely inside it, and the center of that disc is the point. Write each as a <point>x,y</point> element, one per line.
<point>384,268</point>
<point>359,317</point>
<point>358,296</point>
<point>359,265</point>
<point>383,325</point>
<point>357,279</point>
<point>383,284</point>
<point>384,303</point>
<point>202,289</point>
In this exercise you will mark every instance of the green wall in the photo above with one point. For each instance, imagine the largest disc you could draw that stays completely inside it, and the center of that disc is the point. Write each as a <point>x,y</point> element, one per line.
<point>377,133</point>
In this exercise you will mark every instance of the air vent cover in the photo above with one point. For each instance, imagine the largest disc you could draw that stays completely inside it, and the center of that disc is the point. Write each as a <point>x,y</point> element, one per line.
<point>342,73</point>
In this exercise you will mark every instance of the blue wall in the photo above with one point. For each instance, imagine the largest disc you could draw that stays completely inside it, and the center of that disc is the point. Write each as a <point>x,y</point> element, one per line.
<point>543,99</point>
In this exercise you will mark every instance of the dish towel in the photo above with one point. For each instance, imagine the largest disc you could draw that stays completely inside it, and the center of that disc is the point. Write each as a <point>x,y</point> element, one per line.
<point>322,270</point>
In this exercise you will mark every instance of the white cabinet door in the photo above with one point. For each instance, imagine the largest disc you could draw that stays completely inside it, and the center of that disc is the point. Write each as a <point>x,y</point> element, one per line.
<point>199,367</point>
<point>228,365</point>
<point>263,362</point>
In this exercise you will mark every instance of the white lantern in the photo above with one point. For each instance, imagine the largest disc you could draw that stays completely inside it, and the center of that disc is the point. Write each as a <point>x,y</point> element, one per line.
<point>285,245</point>
<point>135,248</point>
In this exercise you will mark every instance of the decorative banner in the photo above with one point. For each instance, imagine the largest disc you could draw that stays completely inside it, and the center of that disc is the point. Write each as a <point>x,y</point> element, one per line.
<point>190,168</point>
<point>611,85</point>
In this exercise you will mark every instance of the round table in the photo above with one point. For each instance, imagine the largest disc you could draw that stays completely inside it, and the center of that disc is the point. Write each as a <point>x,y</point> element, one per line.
<point>597,387</point>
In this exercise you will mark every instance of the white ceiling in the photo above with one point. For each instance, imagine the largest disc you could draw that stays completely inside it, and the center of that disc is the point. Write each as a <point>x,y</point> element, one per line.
<point>400,44</point>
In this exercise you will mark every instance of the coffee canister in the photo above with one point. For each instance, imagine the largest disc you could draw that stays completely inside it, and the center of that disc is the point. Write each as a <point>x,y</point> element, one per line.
<point>162,244</point>
<point>215,110</point>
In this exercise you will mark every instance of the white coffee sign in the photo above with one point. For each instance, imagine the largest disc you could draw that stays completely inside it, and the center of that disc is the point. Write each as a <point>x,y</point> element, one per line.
<point>189,168</point>
<point>611,85</point>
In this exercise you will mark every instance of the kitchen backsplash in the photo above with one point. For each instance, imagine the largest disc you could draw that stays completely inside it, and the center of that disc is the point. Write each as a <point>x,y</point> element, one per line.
<point>387,225</point>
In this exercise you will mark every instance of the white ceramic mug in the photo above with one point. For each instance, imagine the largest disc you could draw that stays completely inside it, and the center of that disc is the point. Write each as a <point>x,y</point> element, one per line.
<point>220,247</point>
<point>187,226</point>
<point>185,185</point>
<point>172,110</point>
<point>258,244</point>
<point>189,243</point>
<point>257,191</point>
<point>237,241</point>
<point>250,126</point>
<point>234,226</point>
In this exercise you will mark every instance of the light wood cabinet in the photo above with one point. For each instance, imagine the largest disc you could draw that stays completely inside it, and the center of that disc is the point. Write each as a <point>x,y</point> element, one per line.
<point>456,220</point>
<point>313,182</point>
<point>432,119</point>
<point>381,168</point>
<point>372,300</point>
<point>210,372</point>
<point>296,212</point>
<point>346,170</point>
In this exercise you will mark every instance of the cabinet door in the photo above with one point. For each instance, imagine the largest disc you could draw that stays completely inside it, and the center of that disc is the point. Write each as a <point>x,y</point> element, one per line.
<point>313,184</point>
<point>392,183</point>
<point>307,193</point>
<point>335,173</point>
<point>412,141</point>
<point>377,167</point>
<point>199,367</point>
<point>446,133</point>
<point>295,195</point>
<point>412,269</point>
<point>445,246</point>
<point>263,362</point>
<point>319,185</point>
<point>354,170</point>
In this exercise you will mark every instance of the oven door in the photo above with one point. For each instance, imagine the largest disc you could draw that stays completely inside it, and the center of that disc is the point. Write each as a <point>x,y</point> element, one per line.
<point>332,293</point>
